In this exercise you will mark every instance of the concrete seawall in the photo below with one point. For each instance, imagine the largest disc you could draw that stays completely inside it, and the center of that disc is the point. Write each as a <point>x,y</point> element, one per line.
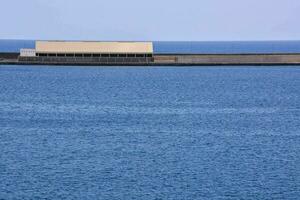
<point>232,59</point>
<point>163,60</point>
<point>9,56</point>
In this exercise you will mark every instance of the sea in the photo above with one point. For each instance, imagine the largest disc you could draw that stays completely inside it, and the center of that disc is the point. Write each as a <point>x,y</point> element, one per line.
<point>75,132</point>
<point>183,47</point>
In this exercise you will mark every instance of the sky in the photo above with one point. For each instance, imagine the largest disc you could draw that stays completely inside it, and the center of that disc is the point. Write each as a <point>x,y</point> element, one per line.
<point>151,20</point>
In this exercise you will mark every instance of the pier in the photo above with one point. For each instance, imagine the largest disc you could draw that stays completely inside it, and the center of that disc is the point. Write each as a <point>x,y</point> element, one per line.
<point>132,54</point>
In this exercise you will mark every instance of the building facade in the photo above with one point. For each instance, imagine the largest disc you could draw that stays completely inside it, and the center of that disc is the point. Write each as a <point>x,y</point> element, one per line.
<point>89,52</point>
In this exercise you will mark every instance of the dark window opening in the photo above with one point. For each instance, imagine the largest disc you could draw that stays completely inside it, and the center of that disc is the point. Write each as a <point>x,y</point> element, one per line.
<point>78,55</point>
<point>87,55</point>
<point>105,55</point>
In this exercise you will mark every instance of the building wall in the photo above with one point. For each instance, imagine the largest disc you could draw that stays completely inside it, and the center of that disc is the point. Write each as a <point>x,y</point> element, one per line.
<point>94,47</point>
<point>88,61</point>
<point>27,53</point>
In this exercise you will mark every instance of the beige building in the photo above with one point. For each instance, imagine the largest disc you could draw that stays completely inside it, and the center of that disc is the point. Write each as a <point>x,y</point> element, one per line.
<point>94,47</point>
<point>90,52</point>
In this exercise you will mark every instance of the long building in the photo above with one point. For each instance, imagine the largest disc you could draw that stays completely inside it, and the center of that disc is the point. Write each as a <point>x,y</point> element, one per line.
<point>89,52</point>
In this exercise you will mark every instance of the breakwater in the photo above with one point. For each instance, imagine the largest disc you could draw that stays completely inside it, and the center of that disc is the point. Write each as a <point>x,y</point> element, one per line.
<point>101,53</point>
<point>228,59</point>
<point>159,60</point>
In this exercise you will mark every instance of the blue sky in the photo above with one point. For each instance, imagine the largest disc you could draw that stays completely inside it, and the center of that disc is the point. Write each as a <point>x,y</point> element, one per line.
<point>170,20</point>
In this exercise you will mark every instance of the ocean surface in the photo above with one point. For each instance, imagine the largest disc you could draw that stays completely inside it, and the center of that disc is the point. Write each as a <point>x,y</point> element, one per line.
<point>14,46</point>
<point>190,47</point>
<point>149,133</point>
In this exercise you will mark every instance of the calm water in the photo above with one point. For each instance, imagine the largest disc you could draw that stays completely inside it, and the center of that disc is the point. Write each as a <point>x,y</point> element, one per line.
<point>227,47</point>
<point>15,45</point>
<point>190,47</point>
<point>149,133</point>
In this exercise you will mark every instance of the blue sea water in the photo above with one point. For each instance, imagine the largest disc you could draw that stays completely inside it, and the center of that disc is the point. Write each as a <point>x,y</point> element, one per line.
<point>190,47</point>
<point>242,47</point>
<point>14,46</point>
<point>149,133</point>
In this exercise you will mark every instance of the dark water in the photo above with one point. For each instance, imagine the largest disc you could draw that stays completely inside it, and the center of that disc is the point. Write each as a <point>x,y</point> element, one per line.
<point>190,47</point>
<point>149,133</point>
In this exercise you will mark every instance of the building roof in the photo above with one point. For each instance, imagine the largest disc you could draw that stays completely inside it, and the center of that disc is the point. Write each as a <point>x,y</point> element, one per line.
<point>93,47</point>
